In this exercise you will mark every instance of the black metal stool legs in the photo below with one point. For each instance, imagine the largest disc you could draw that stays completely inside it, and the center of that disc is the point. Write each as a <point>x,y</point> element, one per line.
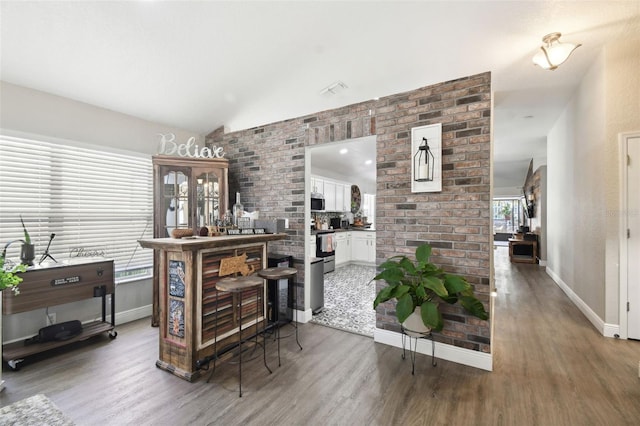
<point>215,341</point>
<point>277,274</point>
<point>264,330</point>
<point>236,286</point>
<point>295,310</point>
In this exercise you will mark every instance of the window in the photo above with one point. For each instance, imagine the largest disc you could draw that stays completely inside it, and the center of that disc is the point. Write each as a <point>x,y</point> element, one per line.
<point>507,215</point>
<point>92,199</point>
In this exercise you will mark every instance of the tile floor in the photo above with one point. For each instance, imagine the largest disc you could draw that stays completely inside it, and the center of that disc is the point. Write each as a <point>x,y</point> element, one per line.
<point>348,300</point>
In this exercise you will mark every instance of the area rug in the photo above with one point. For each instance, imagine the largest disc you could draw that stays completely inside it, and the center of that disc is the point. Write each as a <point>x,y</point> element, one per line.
<point>348,300</point>
<point>36,410</point>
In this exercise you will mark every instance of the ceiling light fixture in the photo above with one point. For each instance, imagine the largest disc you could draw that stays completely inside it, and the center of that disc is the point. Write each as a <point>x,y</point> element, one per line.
<point>553,53</point>
<point>334,88</point>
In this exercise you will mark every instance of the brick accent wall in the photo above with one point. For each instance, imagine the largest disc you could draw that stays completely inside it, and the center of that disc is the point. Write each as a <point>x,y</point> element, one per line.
<point>267,167</point>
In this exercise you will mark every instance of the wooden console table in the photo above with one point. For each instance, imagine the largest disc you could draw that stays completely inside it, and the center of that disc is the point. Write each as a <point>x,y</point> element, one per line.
<point>192,316</point>
<point>523,251</point>
<point>57,284</point>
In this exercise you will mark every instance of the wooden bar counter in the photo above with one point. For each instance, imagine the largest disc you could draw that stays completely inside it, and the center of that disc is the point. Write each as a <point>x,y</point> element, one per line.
<point>191,311</point>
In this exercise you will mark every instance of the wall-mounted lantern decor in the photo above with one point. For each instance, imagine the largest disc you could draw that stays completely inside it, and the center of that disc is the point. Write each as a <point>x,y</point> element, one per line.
<point>423,163</point>
<point>426,156</point>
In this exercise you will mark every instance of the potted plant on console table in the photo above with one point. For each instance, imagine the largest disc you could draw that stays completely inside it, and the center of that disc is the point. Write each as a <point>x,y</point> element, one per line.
<point>8,280</point>
<point>419,288</point>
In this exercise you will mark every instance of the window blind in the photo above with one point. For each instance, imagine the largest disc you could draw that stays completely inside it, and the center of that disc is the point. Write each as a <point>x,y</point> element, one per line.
<point>94,201</point>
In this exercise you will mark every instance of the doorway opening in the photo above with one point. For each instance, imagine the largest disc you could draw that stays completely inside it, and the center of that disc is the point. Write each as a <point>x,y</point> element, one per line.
<point>344,174</point>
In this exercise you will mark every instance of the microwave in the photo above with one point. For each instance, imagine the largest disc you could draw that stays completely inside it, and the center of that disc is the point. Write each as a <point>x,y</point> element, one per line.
<point>317,202</point>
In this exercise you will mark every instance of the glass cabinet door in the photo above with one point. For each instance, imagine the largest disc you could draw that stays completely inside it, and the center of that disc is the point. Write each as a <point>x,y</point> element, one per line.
<point>207,199</point>
<point>175,201</point>
<point>188,194</point>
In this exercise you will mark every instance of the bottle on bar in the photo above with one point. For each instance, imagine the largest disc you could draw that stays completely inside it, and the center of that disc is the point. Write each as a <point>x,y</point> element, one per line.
<point>238,210</point>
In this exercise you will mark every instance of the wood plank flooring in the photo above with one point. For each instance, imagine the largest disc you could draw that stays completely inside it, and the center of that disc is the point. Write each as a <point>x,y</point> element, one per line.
<point>550,368</point>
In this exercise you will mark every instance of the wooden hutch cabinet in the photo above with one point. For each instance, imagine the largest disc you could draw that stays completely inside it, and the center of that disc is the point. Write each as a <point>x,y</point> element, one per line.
<point>188,193</point>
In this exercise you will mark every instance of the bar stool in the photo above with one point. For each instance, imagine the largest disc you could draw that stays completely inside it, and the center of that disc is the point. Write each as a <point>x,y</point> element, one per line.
<point>237,285</point>
<point>279,274</point>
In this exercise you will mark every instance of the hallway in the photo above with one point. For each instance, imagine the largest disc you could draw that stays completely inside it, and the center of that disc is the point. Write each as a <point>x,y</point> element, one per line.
<point>547,355</point>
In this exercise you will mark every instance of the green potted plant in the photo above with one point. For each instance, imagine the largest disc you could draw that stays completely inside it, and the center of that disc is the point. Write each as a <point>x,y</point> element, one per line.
<point>28,250</point>
<point>506,211</point>
<point>9,278</point>
<point>420,287</point>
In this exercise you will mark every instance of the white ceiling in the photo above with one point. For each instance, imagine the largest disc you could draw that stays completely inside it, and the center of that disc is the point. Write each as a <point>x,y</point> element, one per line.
<point>199,65</point>
<point>356,164</point>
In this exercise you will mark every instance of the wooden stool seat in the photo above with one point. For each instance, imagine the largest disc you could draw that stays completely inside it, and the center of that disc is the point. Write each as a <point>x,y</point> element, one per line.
<point>277,273</point>
<point>238,284</point>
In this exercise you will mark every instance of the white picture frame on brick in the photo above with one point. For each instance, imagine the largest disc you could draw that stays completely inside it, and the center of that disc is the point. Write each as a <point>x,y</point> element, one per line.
<point>433,135</point>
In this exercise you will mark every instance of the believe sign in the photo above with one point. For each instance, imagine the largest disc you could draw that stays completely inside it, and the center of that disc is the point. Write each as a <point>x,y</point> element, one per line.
<point>168,146</point>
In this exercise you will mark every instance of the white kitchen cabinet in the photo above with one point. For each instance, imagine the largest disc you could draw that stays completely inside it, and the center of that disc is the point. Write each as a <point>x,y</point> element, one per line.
<point>340,197</point>
<point>312,246</point>
<point>343,248</point>
<point>330,196</point>
<point>317,185</point>
<point>337,194</point>
<point>347,197</point>
<point>363,247</point>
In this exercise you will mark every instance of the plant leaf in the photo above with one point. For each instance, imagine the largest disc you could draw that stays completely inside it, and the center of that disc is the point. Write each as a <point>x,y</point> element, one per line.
<point>435,284</point>
<point>407,265</point>
<point>404,308</point>
<point>431,316</point>
<point>401,290</point>
<point>423,253</point>
<point>421,292</point>
<point>474,307</point>
<point>392,276</point>
<point>451,299</point>
<point>456,284</point>
<point>27,238</point>
<point>383,295</point>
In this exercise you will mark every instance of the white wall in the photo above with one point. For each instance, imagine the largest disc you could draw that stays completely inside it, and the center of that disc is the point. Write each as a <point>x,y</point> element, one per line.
<point>509,191</point>
<point>583,167</point>
<point>622,81</point>
<point>32,114</point>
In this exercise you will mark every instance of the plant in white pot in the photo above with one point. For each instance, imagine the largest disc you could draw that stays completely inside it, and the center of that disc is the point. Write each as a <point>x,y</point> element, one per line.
<point>420,287</point>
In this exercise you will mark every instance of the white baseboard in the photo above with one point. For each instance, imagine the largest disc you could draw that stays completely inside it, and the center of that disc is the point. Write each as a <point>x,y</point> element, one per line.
<point>611,330</point>
<point>132,314</point>
<point>463,356</point>
<point>304,316</point>
<point>607,330</point>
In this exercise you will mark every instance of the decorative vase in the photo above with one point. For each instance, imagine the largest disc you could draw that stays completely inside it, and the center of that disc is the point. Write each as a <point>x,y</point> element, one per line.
<point>27,254</point>
<point>414,327</point>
